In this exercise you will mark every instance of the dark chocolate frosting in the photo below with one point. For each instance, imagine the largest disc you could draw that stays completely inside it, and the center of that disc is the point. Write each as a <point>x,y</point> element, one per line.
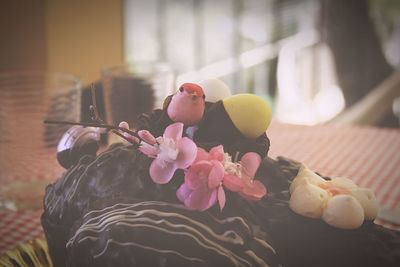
<point>118,182</point>
<point>106,211</point>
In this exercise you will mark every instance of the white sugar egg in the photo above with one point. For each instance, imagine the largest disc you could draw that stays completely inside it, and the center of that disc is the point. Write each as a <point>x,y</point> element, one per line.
<point>215,90</point>
<point>308,200</point>
<point>343,211</point>
<point>308,175</point>
<point>343,182</point>
<point>368,201</point>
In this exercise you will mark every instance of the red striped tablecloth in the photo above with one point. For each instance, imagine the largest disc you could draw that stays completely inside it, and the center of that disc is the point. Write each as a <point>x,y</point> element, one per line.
<point>19,227</point>
<point>368,155</point>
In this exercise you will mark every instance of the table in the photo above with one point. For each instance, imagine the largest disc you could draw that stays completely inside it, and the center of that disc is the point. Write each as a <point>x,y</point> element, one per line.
<point>368,155</point>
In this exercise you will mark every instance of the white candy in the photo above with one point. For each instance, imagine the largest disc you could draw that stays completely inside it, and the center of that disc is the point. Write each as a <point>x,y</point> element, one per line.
<point>308,200</point>
<point>343,211</point>
<point>308,175</point>
<point>340,202</point>
<point>343,182</point>
<point>368,201</point>
<point>215,90</point>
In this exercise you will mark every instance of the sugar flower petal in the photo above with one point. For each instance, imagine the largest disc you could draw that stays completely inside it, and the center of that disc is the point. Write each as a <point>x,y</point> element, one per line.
<point>197,174</point>
<point>187,153</point>
<point>233,182</point>
<point>183,192</point>
<point>250,163</point>
<point>148,150</point>
<point>221,197</point>
<point>161,173</point>
<point>201,199</point>
<point>254,190</point>
<point>217,153</point>
<point>174,131</point>
<point>202,154</point>
<point>212,199</point>
<point>216,174</point>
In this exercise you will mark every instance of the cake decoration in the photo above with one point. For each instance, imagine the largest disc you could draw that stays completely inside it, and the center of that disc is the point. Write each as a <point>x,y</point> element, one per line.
<point>171,152</point>
<point>237,122</point>
<point>215,90</point>
<point>206,172</point>
<point>250,114</point>
<point>187,104</point>
<point>180,194</point>
<point>213,171</point>
<point>339,201</point>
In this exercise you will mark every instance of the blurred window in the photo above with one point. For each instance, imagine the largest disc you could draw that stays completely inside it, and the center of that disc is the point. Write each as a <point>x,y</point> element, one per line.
<point>268,47</point>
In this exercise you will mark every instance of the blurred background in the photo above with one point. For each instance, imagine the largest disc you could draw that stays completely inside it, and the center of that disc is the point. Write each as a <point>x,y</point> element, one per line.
<point>316,61</point>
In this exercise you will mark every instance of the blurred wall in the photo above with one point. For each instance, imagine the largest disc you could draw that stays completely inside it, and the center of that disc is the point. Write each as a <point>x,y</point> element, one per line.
<point>22,35</point>
<point>83,36</point>
<point>73,36</point>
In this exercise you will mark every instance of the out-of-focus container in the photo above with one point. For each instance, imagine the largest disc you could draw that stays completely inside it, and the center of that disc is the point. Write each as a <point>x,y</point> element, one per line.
<point>132,89</point>
<point>27,145</point>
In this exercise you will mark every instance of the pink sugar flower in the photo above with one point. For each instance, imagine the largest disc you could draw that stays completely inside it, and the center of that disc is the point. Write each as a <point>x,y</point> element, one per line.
<point>171,152</point>
<point>212,171</point>
<point>203,185</point>
<point>216,153</point>
<point>239,177</point>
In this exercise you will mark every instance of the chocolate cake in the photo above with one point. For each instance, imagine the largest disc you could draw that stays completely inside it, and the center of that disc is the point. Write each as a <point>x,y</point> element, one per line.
<point>108,210</point>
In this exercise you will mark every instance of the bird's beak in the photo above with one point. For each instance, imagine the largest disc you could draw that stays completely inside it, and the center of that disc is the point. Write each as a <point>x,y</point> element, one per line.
<point>194,95</point>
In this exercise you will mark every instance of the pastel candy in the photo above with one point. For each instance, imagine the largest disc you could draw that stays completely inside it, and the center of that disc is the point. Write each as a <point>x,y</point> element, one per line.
<point>308,200</point>
<point>214,90</point>
<point>307,175</point>
<point>368,201</point>
<point>343,211</point>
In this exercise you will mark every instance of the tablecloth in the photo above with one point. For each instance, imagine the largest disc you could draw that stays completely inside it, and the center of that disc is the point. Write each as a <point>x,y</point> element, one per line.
<point>368,155</point>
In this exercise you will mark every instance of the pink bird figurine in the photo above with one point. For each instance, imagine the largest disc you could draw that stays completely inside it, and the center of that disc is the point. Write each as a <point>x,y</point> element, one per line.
<point>187,104</point>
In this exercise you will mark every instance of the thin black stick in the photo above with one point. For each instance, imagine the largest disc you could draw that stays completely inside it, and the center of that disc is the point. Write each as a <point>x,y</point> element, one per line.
<point>93,107</point>
<point>96,116</point>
